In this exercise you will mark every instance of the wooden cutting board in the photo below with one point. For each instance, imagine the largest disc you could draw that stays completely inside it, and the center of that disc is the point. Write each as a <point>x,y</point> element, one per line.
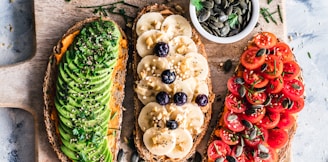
<point>21,84</point>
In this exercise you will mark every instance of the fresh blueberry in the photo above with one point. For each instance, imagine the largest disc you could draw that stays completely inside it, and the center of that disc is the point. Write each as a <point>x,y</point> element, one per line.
<point>172,124</point>
<point>161,49</point>
<point>180,98</point>
<point>162,98</point>
<point>168,76</point>
<point>201,100</point>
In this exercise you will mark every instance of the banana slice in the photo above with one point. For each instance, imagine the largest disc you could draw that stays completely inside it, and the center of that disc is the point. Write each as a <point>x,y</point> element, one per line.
<point>201,88</point>
<point>195,118</point>
<point>180,66</point>
<point>176,25</point>
<point>187,86</point>
<point>178,114</point>
<point>152,115</point>
<point>183,144</point>
<point>152,65</point>
<point>159,141</point>
<point>199,65</point>
<point>182,45</point>
<point>148,87</point>
<point>147,41</point>
<point>149,21</point>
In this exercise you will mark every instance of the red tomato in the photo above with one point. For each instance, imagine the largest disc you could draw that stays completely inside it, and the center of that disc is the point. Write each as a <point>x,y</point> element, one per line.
<point>265,40</point>
<point>255,117</point>
<point>229,137</point>
<point>217,149</point>
<point>297,106</point>
<point>283,51</point>
<point>291,70</point>
<point>293,89</point>
<point>254,79</point>
<point>256,98</point>
<point>270,120</point>
<point>275,85</point>
<point>272,156</point>
<point>276,103</point>
<point>241,158</point>
<point>234,104</point>
<point>233,86</point>
<point>274,67</point>
<point>277,138</point>
<point>249,60</point>
<point>261,136</point>
<point>233,122</point>
<point>286,121</point>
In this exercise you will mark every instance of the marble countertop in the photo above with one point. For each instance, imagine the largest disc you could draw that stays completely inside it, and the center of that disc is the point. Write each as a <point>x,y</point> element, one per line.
<point>308,36</point>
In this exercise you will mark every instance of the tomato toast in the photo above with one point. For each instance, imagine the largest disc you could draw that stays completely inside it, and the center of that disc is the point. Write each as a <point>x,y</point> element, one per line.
<point>260,109</point>
<point>173,92</point>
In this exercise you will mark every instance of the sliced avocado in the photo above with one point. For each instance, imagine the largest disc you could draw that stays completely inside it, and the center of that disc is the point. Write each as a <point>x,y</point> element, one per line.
<point>72,155</point>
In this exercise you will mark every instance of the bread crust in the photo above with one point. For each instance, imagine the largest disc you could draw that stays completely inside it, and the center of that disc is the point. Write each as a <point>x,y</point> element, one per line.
<point>138,133</point>
<point>50,112</point>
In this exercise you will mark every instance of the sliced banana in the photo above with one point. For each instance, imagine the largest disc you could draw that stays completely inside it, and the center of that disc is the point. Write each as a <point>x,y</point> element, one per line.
<point>180,66</point>
<point>148,87</point>
<point>149,21</point>
<point>152,115</point>
<point>195,118</point>
<point>187,86</point>
<point>199,65</point>
<point>152,65</point>
<point>182,45</point>
<point>183,144</point>
<point>147,41</point>
<point>201,88</point>
<point>176,25</point>
<point>178,114</point>
<point>159,141</point>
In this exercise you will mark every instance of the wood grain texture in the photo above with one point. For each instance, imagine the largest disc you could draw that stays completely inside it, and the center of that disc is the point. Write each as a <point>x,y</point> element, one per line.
<point>21,84</point>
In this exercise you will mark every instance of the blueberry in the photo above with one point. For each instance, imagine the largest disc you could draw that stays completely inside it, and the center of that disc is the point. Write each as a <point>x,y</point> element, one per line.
<point>168,76</point>
<point>162,98</point>
<point>180,98</point>
<point>172,124</point>
<point>201,100</point>
<point>161,49</point>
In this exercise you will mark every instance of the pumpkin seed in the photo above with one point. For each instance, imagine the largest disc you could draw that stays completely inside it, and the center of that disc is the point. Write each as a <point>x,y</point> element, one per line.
<point>242,91</point>
<point>135,157</point>
<point>264,67</point>
<point>217,1</point>
<point>285,103</point>
<point>240,81</point>
<point>242,142</point>
<point>263,148</point>
<point>221,159</point>
<point>257,106</point>
<point>264,155</point>
<point>253,134</point>
<point>203,15</point>
<point>231,158</point>
<point>232,117</point>
<point>223,18</point>
<point>267,100</point>
<point>120,155</point>
<point>239,151</point>
<point>225,30</point>
<point>260,52</point>
<point>290,104</point>
<point>247,123</point>
<point>250,111</point>
<point>208,4</point>
<point>227,65</point>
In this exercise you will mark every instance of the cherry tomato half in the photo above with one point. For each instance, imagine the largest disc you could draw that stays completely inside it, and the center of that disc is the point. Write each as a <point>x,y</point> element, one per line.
<point>275,85</point>
<point>276,103</point>
<point>286,121</point>
<point>229,137</point>
<point>274,67</point>
<point>254,117</point>
<point>249,59</point>
<point>217,149</point>
<point>270,120</point>
<point>282,51</point>
<point>234,104</point>
<point>260,137</point>
<point>233,122</point>
<point>240,158</point>
<point>298,105</point>
<point>272,156</point>
<point>265,40</point>
<point>256,98</point>
<point>277,138</point>
<point>233,86</point>
<point>254,79</point>
<point>293,89</point>
<point>291,70</point>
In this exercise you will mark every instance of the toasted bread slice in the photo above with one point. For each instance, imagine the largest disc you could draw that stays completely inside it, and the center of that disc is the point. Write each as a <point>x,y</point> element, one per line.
<point>112,105</point>
<point>145,153</point>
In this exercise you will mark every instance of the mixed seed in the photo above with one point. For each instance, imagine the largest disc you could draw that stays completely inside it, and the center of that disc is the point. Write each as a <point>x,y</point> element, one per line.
<point>225,18</point>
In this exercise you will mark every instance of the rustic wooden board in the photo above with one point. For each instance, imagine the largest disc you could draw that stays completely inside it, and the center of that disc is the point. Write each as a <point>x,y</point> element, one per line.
<point>21,84</point>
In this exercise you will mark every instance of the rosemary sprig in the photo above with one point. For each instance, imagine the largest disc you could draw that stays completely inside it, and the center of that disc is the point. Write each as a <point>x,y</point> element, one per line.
<point>269,1</point>
<point>280,15</point>
<point>267,15</point>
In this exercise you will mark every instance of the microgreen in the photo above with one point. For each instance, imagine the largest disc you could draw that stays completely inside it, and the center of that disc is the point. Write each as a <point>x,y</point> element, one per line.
<point>233,20</point>
<point>198,4</point>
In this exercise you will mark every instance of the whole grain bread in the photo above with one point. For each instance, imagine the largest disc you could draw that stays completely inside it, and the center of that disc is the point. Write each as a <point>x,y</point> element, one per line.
<point>117,92</point>
<point>207,110</point>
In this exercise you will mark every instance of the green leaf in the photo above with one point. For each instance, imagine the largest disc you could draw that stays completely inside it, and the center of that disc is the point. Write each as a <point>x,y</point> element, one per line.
<point>233,20</point>
<point>198,4</point>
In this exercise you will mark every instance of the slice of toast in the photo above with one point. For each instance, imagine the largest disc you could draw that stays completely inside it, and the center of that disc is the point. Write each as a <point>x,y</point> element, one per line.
<point>166,11</point>
<point>116,76</point>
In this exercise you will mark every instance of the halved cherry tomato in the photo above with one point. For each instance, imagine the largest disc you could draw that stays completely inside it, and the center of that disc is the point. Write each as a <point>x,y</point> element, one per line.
<point>240,158</point>
<point>265,40</point>
<point>229,137</point>
<point>291,70</point>
<point>270,120</point>
<point>256,98</point>
<point>254,117</point>
<point>286,121</point>
<point>276,103</point>
<point>277,138</point>
<point>298,105</point>
<point>261,136</point>
<point>273,157</point>
<point>275,85</point>
<point>234,104</point>
<point>233,86</point>
<point>274,67</point>
<point>233,122</point>
<point>217,149</point>
<point>249,59</point>
<point>254,78</point>
<point>293,89</point>
<point>283,51</point>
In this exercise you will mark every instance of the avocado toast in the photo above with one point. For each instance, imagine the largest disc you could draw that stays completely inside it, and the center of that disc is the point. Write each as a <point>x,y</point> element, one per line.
<point>84,91</point>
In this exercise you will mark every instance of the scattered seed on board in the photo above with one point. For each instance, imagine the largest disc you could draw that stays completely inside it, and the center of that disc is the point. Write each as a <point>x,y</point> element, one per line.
<point>227,66</point>
<point>120,155</point>
<point>135,157</point>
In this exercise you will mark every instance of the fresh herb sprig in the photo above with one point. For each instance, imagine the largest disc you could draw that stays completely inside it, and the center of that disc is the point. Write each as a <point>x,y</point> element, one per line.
<point>233,20</point>
<point>198,4</point>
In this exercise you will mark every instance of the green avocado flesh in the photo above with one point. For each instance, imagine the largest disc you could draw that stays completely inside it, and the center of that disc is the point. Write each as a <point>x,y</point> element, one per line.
<point>83,92</point>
